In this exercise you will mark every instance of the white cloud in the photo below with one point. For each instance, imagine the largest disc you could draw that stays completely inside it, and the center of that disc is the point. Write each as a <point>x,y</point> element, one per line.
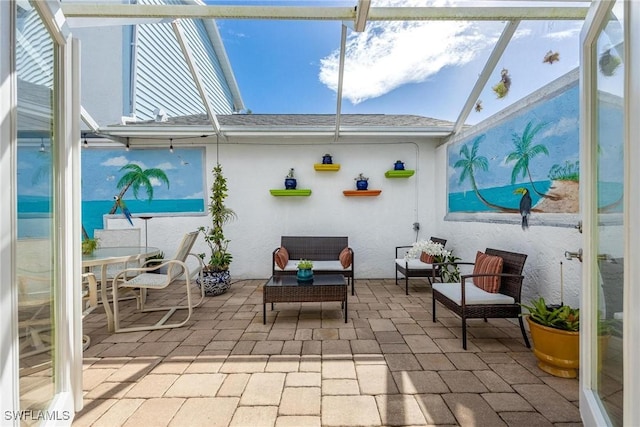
<point>388,55</point>
<point>120,161</point>
<point>522,33</point>
<point>166,166</point>
<point>115,161</point>
<point>198,195</point>
<point>155,182</point>
<point>564,34</point>
<point>563,126</point>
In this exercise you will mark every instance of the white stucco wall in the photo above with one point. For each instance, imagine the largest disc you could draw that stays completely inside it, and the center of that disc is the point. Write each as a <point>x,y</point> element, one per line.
<point>374,225</point>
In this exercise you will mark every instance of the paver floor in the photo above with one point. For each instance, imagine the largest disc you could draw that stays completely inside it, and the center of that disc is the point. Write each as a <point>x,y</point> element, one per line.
<point>388,365</point>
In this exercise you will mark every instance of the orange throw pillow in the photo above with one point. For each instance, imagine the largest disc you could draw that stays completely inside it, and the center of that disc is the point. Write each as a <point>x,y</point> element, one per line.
<point>282,257</point>
<point>345,258</point>
<point>425,257</point>
<point>487,264</point>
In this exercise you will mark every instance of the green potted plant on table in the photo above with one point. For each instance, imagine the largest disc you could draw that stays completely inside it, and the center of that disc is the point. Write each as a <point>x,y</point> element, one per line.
<point>556,337</point>
<point>305,270</point>
<point>216,278</point>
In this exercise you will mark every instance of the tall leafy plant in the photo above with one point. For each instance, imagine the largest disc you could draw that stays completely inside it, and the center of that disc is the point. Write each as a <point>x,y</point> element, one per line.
<point>219,258</point>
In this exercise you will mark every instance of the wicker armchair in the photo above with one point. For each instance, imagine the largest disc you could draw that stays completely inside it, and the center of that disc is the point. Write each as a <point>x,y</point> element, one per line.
<point>470,302</point>
<point>415,267</point>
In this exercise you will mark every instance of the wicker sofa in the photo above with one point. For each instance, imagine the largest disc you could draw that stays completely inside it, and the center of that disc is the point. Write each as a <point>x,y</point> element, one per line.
<point>330,255</point>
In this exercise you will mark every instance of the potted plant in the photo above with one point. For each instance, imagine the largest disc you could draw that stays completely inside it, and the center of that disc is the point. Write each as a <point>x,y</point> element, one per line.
<point>89,245</point>
<point>398,165</point>
<point>449,271</point>
<point>432,252</point>
<point>556,337</point>
<point>216,278</point>
<point>305,270</point>
<point>290,182</point>
<point>362,182</point>
<point>154,261</point>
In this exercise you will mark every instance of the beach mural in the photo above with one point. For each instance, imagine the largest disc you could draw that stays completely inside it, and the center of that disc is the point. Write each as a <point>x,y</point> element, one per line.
<point>147,181</point>
<point>536,150</point>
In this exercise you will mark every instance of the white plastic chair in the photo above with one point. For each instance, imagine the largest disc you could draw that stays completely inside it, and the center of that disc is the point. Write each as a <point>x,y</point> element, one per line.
<point>148,278</point>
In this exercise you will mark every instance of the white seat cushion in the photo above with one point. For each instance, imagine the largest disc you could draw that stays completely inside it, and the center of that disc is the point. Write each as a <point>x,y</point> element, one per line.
<point>473,294</point>
<point>413,264</point>
<point>292,265</point>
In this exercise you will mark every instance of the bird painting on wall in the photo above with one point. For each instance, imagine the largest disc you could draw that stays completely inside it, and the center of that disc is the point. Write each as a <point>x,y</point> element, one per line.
<point>525,206</point>
<point>123,207</point>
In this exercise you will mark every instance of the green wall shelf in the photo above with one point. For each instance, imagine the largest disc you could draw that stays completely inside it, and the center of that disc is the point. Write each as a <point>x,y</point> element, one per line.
<point>334,167</point>
<point>361,193</point>
<point>399,174</point>
<point>301,192</point>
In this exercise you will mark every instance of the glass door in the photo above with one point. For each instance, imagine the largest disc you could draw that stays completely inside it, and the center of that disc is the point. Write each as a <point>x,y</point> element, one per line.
<point>609,238</point>
<point>604,180</point>
<point>35,266</point>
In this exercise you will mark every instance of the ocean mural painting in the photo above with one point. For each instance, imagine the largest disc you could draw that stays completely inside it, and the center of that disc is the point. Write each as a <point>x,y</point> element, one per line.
<point>147,180</point>
<point>162,182</point>
<point>537,149</point>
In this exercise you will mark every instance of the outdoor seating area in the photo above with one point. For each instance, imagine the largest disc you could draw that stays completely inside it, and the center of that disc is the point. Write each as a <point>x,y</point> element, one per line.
<point>389,364</point>
<point>330,255</point>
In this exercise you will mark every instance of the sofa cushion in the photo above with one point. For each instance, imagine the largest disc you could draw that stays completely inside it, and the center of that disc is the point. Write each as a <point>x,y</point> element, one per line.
<point>345,258</point>
<point>413,264</point>
<point>487,264</point>
<point>292,265</point>
<point>473,294</point>
<point>282,257</point>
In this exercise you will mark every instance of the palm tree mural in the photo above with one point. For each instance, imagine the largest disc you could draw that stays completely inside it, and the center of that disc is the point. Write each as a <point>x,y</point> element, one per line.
<point>524,152</point>
<point>136,178</point>
<point>472,162</point>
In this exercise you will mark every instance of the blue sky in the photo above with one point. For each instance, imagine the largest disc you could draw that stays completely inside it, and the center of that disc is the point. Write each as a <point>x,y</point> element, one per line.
<point>424,68</point>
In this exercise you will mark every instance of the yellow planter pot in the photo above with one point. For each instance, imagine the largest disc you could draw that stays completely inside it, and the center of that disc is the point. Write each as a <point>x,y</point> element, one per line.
<point>558,351</point>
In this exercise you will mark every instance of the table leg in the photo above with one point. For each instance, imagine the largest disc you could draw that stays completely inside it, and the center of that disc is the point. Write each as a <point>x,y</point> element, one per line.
<point>264,313</point>
<point>345,309</point>
<point>105,298</point>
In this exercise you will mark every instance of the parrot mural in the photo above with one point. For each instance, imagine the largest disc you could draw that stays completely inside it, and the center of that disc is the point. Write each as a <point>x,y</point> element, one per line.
<point>525,206</point>
<point>123,207</point>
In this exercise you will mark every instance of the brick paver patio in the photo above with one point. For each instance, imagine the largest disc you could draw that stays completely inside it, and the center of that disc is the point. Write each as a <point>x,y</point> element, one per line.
<point>388,365</point>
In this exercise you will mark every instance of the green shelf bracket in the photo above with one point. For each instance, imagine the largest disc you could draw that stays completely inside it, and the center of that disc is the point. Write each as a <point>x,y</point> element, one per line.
<point>280,193</point>
<point>406,173</point>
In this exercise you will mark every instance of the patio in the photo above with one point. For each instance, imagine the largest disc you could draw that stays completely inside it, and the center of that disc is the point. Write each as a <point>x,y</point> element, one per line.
<point>389,365</point>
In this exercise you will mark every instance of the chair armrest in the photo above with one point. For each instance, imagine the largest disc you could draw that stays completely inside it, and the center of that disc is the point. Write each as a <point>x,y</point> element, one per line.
<point>401,247</point>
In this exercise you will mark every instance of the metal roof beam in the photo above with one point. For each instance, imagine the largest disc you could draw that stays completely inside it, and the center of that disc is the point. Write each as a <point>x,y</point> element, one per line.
<point>362,12</point>
<point>343,43</point>
<point>477,13</point>
<point>195,73</point>
<point>468,13</point>
<point>489,66</point>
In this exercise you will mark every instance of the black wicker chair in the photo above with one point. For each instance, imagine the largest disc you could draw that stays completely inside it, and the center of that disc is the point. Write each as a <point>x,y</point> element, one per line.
<point>510,285</point>
<point>404,266</point>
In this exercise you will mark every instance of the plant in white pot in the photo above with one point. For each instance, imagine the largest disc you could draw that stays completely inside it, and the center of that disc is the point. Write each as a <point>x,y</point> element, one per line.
<point>216,277</point>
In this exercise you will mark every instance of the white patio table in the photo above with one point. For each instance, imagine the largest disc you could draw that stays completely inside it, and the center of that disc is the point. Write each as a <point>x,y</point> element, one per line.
<point>102,257</point>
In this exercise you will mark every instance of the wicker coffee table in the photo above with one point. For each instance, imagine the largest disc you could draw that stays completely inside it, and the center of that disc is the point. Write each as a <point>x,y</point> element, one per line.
<point>286,288</point>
